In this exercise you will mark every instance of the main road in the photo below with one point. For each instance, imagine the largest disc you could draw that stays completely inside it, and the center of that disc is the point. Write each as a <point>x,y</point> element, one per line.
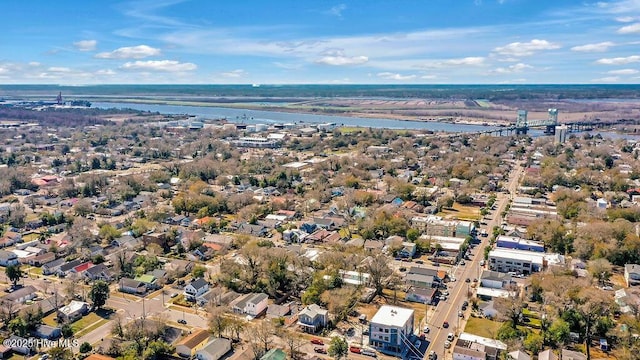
<point>459,290</point>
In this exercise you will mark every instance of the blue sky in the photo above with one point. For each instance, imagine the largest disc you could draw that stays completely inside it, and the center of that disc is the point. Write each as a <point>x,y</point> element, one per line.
<point>320,42</point>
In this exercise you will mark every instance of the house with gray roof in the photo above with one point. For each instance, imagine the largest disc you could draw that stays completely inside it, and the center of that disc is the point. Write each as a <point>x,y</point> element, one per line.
<point>215,349</point>
<point>252,304</point>
<point>313,318</point>
<point>52,266</point>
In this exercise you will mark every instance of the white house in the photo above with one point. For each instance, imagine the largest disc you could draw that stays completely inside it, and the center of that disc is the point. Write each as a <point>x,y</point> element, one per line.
<point>8,258</point>
<point>251,304</point>
<point>196,288</point>
<point>391,329</point>
<point>73,311</point>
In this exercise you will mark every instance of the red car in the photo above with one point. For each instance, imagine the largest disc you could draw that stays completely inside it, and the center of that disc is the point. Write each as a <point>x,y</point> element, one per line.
<point>355,349</point>
<point>317,341</point>
<point>319,350</point>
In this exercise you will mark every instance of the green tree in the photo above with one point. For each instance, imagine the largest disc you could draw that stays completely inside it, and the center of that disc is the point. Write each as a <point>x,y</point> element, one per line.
<point>60,353</point>
<point>14,273</point>
<point>18,326</point>
<point>533,342</point>
<point>108,232</point>
<point>157,349</point>
<point>413,234</point>
<point>67,331</point>
<point>198,271</point>
<point>99,293</point>
<point>338,348</point>
<point>85,347</point>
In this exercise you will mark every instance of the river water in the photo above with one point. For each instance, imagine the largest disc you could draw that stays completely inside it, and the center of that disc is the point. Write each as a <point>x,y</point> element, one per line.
<point>270,117</point>
<point>247,116</point>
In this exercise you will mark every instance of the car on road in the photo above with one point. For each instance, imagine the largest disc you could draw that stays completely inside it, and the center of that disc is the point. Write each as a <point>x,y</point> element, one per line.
<point>467,280</point>
<point>368,352</point>
<point>426,330</point>
<point>182,321</point>
<point>445,324</point>
<point>317,341</point>
<point>433,355</point>
<point>319,350</point>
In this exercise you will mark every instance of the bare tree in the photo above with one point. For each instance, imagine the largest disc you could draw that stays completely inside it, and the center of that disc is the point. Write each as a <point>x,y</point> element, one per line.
<point>294,342</point>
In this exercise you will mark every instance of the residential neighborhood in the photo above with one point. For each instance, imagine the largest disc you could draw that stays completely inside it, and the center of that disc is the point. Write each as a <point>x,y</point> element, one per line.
<point>226,241</point>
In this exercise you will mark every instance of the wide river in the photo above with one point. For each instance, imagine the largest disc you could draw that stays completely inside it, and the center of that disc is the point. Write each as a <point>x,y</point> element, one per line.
<point>270,117</point>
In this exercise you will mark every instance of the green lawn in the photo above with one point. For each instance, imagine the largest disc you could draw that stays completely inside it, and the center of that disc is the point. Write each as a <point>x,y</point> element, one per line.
<point>50,320</point>
<point>90,328</point>
<point>482,327</point>
<point>85,321</point>
<point>30,237</point>
<point>35,271</point>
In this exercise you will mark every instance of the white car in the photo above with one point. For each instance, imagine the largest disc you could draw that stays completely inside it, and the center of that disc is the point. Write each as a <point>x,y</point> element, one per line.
<point>447,344</point>
<point>426,330</point>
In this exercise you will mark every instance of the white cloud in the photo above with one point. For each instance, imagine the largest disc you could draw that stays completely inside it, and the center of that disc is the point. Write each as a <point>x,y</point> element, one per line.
<point>235,73</point>
<point>623,72</point>
<point>625,19</point>
<point>619,60</point>
<point>130,52</point>
<point>337,10</point>
<point>599,47</point>
<point>519,49</point>
<point>58,69</point>
<point>105,72</point>
<point>467,61</point>
<point>338,58</point>
<point>516,68</point>
<point>34,63</point>
<point>630,29</point>
<point>85,45</point>
<point>607,79</point>
<point>159,65</point>
<point>394,76</point>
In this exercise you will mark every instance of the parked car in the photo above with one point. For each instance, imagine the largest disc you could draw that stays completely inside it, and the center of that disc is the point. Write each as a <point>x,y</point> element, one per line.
<point>433,355</point>
<point>319,350</point>
<point>426,330</point>
<point>467,280</point>
<point>447,344</point>
<point>368,352</point>
<point>465,303</point>
<point>317,341</point>
<point>182,321</point>
<point>355,349</point>
<point>450,336</point>
<point>419,262</point>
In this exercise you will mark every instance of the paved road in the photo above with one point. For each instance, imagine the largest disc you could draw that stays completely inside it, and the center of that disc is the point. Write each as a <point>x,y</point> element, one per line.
<point>458,290</point>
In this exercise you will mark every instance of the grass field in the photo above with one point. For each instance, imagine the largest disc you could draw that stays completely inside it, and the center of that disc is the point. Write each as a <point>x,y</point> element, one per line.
<point>482,327</point>
<point>462,212</point>
<point>30,237</point>
<point>50,320</point>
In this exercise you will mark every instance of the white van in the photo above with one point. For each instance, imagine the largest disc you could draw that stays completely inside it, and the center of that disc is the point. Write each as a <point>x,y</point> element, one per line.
<point>368,352</point>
